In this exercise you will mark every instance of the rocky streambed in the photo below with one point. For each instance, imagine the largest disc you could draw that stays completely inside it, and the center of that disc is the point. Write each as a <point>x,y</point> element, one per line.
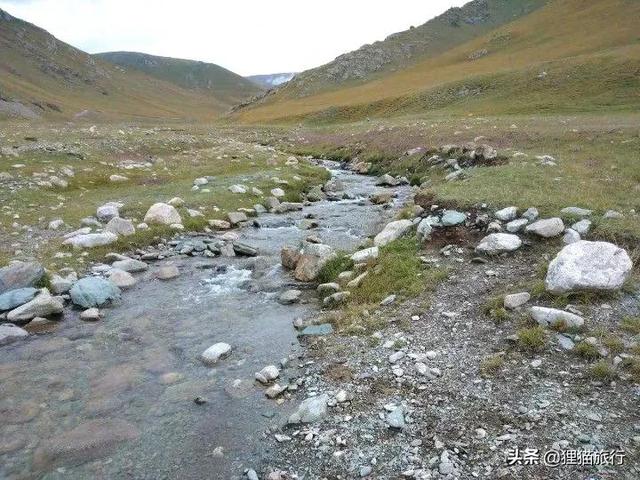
<point>128,396</point>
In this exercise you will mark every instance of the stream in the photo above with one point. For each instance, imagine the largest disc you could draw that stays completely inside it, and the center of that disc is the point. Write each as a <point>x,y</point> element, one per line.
<point>115,398</point>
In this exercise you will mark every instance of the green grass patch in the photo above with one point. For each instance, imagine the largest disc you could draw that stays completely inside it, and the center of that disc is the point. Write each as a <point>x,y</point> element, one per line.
<point>491,365</point>
<point>532,339</point>
<point>587,351</point>
<point>631,325</point>
<point>602,371</point>
<point>330,271</point>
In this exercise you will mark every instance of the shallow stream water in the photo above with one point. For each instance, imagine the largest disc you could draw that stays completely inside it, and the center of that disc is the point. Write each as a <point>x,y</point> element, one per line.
<point>121,391</point>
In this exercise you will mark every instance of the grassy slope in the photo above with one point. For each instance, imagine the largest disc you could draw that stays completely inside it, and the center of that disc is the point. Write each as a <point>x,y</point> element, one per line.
<point>228,87</point>
<point>403,49</point>
<point>36,68</point>
<point>590,50</point>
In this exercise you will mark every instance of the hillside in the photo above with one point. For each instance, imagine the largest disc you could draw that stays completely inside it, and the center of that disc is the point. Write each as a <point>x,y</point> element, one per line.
<point>565,56</point>
<point>224,85</point>
<point>41,76</point>
<point>271,80</point>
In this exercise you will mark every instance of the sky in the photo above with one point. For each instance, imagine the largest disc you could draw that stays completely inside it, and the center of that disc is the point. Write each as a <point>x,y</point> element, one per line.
<point>246,36</point>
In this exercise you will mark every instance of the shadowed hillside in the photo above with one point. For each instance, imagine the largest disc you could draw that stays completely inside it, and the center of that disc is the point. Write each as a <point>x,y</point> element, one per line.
<point>40,76</point>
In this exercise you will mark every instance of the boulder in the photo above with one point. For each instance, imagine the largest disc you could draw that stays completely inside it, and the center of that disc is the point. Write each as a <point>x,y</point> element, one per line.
<point>167,272</point>
<point>90,315</point>
<point>546,228</point>
<point>531,214</point>
<point>267,374</point>
<point>392,231</point>
<point>424,230</point>
<point>120,226</point>
<point>551,317</point>
<point>366,255</point>
<point>20,275</point>
<point>497,243</point>
<point>516,300</point>
<point>91,292</point>
<point>325,289</point>
<point>289,297</point>
<point>387,180</point>
<point>244,249</point>
<point>289,257</point>
<point>162,214</point>
<point>10,333</point>
<point>588,266</point>
<point>215,352</point>
<point>91,240</point>
<point>238,189</point>
<point>582,227</point>
<point>14,298</point>
<point>451,218</point>
<point>106,212</point>
<point>59,284</point>
<point>314,256</point>
<point>576,211</point>
<point>236,217</point>
<point>43,305</point>
<point>130,265</point>
<point>336,299</point>
<point>571,236</point>
<point>219,224</point>
<point>277,192</point>
<point>517,225</point>
<point>315,194</point>
<point>310,410</point>
<point>121,279</point>
<point>507,214</point>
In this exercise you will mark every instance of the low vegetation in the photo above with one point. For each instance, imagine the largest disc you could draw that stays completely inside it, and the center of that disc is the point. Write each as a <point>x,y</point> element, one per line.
<point>533,339</point>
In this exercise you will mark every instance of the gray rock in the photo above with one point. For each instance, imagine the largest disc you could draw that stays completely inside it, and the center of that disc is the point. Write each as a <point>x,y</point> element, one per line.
<point>310,410</point>
<point>289,257</point>
<point>517,225</point>
<point>576,211</point>
<point>395,418</point>
<point>290,297</point>
<point>570,236</point>
<point>20,275</point>
<point>106,212</point>
<point>516,300</point>
<point>91,240</point>
<point>451,218</point>
<point>219,224</point>
<point>388,300</point>
<point>120,226</point>
<point>10,333</point>
<point>244,249</point>
<point>387,180</point>
<point>392,231</point>
<point>336,299</point>
<point>236,217</point>
<point>14,298</point>
<point>90,315</point>
<point>507,214</point>
<point>267,374</point>
<point>94,292</point>
<point>121,279</point>
<point>162,214</point>
<point>314,256</point>
<point>167,272</point>
<point>531,214</point>
<point>43,305</point>
<point>130,265</point>
<point>315,194</point>
<point>366,255</point>
<point>546,228</point>
<point>238,189</point>
<point>612,214</point>
<point>588,266</point>
<point>565,342</point>
<point>215,352</point>
<point>551,317</point>
<point>424,230</point>
<point>324,289</point>
<point>582,227</point>
<point>59,284</point>
<point>317,330</point>
<point>497,243</point>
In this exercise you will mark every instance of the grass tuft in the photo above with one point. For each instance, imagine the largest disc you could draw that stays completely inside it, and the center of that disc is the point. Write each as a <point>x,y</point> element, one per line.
<point>532,339</point>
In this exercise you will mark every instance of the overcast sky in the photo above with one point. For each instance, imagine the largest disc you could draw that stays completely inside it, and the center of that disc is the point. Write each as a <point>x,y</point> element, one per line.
<point>246,36</point>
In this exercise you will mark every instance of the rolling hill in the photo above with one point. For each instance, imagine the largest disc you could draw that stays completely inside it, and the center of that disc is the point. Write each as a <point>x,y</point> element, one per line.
<point>41,76</point>
<point>563,55</point>
<point>208,78</point>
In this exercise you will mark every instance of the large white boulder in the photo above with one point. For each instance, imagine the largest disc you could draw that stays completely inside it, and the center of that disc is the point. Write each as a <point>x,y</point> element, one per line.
<point>588,266</point>
<point>497,243</point>
<point>392,231</point>
<point>366,255</point>
<point>42,305</point>
<point>162,213</point>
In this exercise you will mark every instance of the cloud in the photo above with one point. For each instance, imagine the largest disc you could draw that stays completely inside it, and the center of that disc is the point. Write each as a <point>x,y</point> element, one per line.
<point>246,36</point>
